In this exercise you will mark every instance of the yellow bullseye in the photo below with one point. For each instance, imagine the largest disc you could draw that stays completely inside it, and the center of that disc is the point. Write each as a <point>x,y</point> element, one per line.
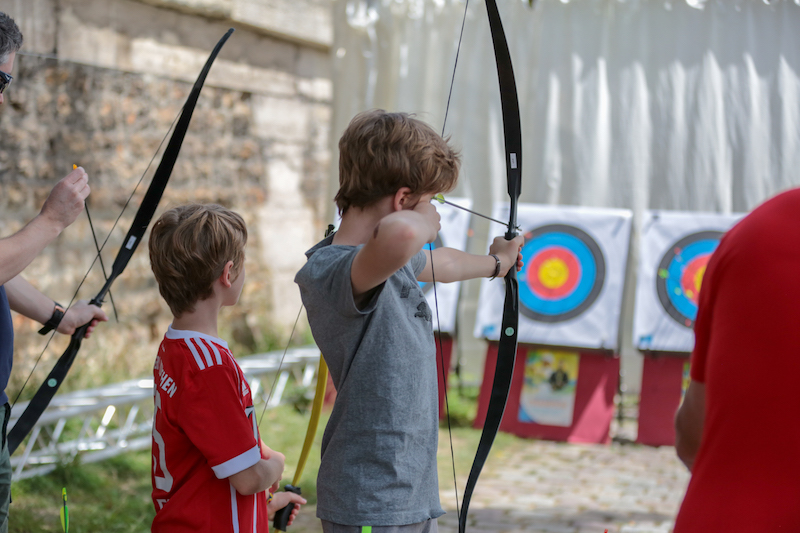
<point>698,278</point>
<point>553,273</point>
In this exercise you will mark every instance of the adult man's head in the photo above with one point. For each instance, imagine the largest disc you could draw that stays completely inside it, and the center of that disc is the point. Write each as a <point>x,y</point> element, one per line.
<point>10,43</point>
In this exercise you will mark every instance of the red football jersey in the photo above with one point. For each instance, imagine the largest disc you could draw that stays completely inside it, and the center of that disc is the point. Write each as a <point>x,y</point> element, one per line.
<point>204,430</point>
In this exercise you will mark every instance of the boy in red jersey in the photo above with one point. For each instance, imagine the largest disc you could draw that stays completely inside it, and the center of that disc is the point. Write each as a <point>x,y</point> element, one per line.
<point>211,470</point>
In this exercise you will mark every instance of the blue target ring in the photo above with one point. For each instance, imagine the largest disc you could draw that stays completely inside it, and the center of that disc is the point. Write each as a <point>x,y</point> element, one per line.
<point>563,274</point>
<point>680,273</point>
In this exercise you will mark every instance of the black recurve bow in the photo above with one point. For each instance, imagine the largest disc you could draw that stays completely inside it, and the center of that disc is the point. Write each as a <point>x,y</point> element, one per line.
<point>144,215</point>
<point>507,348</point>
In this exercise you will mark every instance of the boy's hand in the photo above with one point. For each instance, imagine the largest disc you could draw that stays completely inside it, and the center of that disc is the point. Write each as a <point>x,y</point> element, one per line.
<point>508,252</point>
<point>281,500</point>
<point>429,214</point>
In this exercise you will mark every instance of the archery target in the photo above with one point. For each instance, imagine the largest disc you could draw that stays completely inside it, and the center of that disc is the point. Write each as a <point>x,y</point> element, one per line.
<point>570,285</point>
<point>675,247</point>
<point>563,274</point>
<point>427,286</point>
<point>680,275</point>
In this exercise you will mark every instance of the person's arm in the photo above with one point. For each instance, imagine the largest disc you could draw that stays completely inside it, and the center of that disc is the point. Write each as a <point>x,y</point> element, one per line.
<point>394,241</point>
<point>264,474</point>
<point>61,208</point>
<point>689,423</point>
<point>449,264</point>
<point>28,301</point>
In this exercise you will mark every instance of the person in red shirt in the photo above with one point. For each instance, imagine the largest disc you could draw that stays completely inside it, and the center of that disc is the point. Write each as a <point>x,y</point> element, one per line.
<point>211,470</point>
<point>737,429</point>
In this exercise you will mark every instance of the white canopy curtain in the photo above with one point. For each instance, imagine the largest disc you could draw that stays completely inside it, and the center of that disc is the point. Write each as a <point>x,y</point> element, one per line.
<point>672,104</point>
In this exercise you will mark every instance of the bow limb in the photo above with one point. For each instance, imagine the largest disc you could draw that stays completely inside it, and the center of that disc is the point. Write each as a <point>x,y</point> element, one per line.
<point>281,520</point>
<point>141,221</point>
<point>507,348</point>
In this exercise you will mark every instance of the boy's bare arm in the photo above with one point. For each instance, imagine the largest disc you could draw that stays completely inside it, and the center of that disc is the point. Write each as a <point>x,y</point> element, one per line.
<point>394,241</point>
<point>259,477</point>
<point>451,265</point>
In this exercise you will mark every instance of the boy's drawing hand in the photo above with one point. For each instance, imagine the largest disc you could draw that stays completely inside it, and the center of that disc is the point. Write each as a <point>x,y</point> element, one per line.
<point>508,252</point>
<point>281,500</point>
<point>430,216</point>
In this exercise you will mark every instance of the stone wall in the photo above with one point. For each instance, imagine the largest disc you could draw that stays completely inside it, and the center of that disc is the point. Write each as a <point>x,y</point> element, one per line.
<point>98,83</point>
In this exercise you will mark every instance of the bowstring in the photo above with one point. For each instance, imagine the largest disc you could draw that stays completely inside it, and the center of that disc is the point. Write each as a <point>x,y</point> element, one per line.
<point>98,254</point>
<point>439,348</point>
<point>280,365</point>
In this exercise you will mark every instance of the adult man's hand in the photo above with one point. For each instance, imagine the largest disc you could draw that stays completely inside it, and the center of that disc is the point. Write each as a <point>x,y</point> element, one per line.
<point>66,200</point>
<point>79,314</point>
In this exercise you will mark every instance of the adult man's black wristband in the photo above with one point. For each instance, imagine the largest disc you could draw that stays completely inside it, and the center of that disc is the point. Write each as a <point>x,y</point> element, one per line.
<point>55,320</point>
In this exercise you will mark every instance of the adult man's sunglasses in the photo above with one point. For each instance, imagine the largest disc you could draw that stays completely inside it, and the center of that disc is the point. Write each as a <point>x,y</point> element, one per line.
<point>5,81</point>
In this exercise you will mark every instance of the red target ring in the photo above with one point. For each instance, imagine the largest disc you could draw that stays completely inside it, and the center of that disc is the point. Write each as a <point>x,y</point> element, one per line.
<point>553,273</point>
<point>693,276</point>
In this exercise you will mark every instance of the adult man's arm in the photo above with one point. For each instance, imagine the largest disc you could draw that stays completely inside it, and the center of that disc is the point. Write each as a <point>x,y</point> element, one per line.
<point>689,423</point>
<point>62,207</point>
<point>27,300</point>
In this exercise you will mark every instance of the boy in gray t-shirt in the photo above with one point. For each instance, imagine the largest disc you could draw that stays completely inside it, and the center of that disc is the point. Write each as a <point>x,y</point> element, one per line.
<point>373,325</point>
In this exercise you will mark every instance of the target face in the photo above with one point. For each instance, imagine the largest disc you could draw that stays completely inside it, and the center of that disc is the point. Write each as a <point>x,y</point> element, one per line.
<point>563,274</point>
<point>426,286</point>
<point>680,275</point>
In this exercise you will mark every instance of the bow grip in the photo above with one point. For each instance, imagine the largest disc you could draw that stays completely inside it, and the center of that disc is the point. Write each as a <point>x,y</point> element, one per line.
<point>281,520</point>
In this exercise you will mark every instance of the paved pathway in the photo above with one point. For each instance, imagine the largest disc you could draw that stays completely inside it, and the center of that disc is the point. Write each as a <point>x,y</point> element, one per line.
<point>551,487</point>
<point>571,488</point>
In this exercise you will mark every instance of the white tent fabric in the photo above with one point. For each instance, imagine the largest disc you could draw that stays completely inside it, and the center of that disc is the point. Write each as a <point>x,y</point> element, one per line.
<point>685,105</point>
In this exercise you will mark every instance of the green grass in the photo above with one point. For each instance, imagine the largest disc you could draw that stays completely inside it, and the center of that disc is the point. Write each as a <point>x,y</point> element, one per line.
<point>114,495</point>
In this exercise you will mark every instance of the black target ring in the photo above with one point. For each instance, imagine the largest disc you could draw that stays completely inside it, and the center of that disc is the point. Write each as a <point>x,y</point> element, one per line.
<point>587,280</point>
<point>674,292</point>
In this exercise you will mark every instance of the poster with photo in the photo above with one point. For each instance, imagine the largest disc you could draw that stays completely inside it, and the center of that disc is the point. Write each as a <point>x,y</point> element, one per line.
<point>548,390</point>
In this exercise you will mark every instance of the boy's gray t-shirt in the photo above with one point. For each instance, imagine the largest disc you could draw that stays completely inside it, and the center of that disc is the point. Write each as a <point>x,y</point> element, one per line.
<point>379,447</point>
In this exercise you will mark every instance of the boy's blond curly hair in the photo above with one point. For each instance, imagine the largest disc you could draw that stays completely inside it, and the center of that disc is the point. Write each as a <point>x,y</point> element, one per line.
<point>189,247</point>
<point>381,152</point>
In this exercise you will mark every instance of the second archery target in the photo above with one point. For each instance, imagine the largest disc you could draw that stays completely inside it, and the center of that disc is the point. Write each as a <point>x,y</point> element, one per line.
<point>680,275</point>
<point>675,248</point>
<point>570,287</point>
<point>563,274</point>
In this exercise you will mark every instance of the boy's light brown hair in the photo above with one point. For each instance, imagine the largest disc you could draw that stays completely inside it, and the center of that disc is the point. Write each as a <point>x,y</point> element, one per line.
<point>189,247</point>
<point>381,152</point>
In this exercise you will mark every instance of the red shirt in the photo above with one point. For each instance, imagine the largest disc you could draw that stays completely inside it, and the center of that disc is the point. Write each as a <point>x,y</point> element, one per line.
<point>746,477</point>
<point>204,430</point>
